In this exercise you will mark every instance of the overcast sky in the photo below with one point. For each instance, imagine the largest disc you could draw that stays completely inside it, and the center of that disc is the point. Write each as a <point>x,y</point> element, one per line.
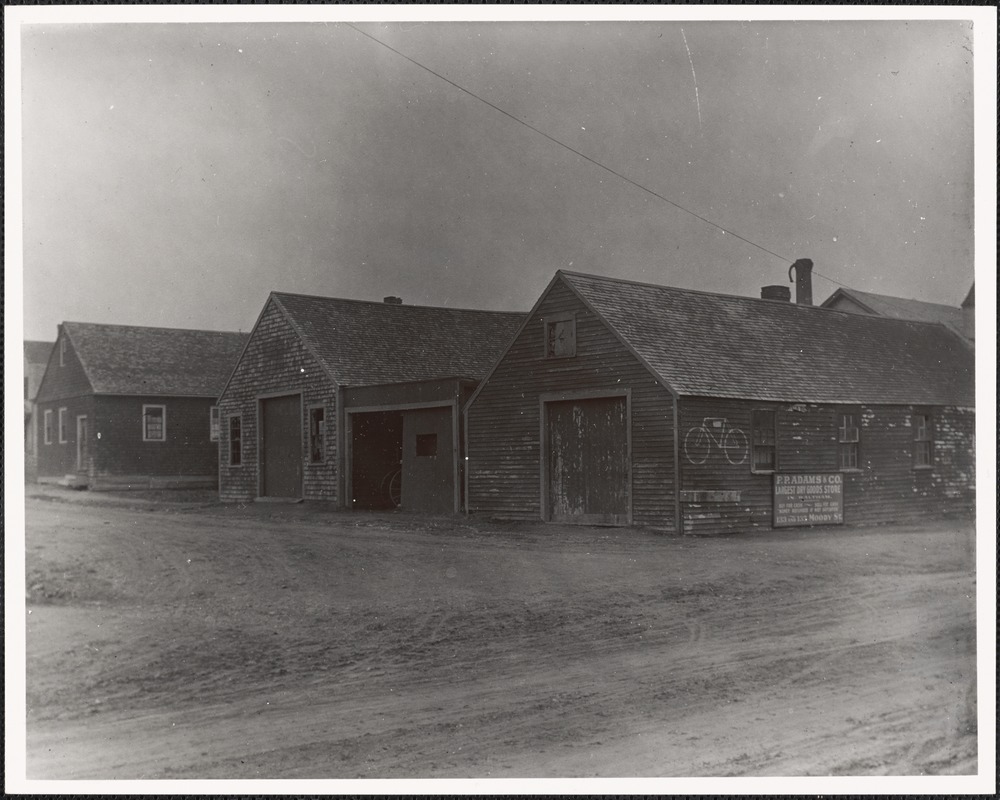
<point>174,174</point>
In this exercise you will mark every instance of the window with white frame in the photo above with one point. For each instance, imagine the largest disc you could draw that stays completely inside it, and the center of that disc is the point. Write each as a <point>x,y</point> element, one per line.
<point>63,426</point>
<point>213,424</point>
<point>47,426</point>
<point>154,423</point>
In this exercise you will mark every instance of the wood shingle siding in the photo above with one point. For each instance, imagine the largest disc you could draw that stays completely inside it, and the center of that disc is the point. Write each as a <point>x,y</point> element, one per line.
<point>375,369</point>
<point>276,362</point>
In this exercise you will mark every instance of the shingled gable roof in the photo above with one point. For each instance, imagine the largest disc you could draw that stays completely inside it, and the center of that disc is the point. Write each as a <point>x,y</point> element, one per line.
<point>363,343</point>
<point>36,352</point>
<point>132,360</point>
<point>901,307</point>
<point>715,345</point>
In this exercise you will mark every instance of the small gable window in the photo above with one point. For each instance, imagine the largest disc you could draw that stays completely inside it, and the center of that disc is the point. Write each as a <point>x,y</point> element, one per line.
<point>317,435</point>
<point>923,438</point>
<point>154,423</point>
<point>63,426</point>
<point>848,439</point>
<point>235,441</point>
<point>560,336</point>
<point>62,352</point>
<point>213,424</point>
<point>765,456</point>
<point>47,426</point>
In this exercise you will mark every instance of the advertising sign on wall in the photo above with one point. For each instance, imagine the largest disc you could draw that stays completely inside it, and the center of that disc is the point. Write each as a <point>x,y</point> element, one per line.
<point>808,499</point>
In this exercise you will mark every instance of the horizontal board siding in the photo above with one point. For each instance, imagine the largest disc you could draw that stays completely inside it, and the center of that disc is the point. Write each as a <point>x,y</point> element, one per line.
<point>504,423</point>
<point>276,362</point>
<point>56,460</point>
<point>120,450</point>
<point>884,488</point>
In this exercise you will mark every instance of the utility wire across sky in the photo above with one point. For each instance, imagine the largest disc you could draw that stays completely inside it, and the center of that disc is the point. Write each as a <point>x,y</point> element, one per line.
<point>583,155</point>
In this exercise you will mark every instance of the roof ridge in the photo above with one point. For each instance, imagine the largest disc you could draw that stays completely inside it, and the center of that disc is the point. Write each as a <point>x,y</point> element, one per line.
<point>745,298</point>
<point>898,297</point>
<point>150,327</point>
<point>393,305</point>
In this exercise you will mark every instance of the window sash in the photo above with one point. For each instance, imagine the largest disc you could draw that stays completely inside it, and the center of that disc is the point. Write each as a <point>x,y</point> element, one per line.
<point>154,423</point>
<point>63,426</point>
<point>213,424</point>
<point>235,441</point>
<point>47,427</point>
<point>317,435</point>
<point>923,440</point>
<point>763,425</point>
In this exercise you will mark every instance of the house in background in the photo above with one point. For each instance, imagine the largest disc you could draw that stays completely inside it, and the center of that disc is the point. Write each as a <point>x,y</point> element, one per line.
<point>355,402</point>
<point>36,356</point>
<point>959,319</point>
<point>133,407</point>
<point>620,402</point>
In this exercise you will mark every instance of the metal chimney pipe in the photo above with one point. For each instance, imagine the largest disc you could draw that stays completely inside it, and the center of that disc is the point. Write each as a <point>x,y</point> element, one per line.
<point>803,281</point>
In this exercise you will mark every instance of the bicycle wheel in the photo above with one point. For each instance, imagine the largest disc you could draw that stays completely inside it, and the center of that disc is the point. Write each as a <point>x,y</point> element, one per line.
<point>394,488</point>
<point>734,445</point>
<point>697,445</point>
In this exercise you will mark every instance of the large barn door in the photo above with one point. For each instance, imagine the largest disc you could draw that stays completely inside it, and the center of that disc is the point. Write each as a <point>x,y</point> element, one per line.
<point>281,447</point>
<point>588,461</point>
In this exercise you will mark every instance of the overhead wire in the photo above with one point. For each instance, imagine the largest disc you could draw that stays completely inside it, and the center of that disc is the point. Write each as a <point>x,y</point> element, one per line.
<point>582,155</point>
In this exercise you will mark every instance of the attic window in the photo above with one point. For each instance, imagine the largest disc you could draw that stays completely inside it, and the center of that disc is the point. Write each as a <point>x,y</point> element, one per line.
<point>62,352</point>
<point>154,423</point>
<point>560,336</point>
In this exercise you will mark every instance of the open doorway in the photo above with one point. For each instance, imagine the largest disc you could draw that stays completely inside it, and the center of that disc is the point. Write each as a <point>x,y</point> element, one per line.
<point>376,460</point>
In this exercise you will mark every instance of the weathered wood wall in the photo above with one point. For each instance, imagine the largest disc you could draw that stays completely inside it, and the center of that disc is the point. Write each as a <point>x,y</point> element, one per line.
<point>504,420</point>
<point>885,487</point>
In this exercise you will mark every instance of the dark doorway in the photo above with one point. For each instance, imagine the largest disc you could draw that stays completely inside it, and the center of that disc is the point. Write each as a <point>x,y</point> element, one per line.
<point>588,461</point>
<point>281,447</point>
<point>376,460</point>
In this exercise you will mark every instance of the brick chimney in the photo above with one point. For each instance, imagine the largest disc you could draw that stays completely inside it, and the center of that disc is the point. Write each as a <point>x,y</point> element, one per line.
<point>778,292</point>
<point>393,301</point>
<point>803,281</point>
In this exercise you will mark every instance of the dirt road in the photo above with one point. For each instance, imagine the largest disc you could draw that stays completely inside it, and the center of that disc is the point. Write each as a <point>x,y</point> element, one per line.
<point>200,641</point>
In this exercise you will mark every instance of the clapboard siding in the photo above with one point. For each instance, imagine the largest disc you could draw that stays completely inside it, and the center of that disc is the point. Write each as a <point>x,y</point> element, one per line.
<point>504,422</point>
<point>276,362</point>
<point>885,487</point>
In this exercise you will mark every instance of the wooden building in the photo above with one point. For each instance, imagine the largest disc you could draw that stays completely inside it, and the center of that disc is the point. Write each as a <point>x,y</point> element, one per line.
<point>132,407</point>
<point>355,402</point>
<point>959,319</point>
<point>627,403</point>
<point>36,357</point>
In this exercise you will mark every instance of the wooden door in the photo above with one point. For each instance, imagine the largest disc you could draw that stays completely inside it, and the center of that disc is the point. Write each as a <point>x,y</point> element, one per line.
<point>588,461</point>
<point>281,447</point>
<point>81,444</point>
<point>428,471</point>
